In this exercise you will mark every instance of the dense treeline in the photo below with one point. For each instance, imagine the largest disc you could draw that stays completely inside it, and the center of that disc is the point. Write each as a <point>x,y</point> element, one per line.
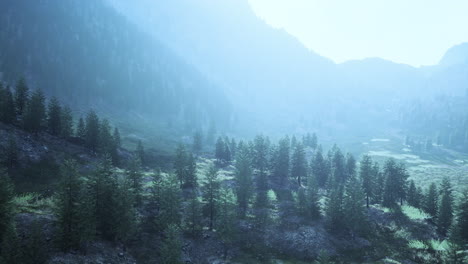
<point>30,111</point>
<point>276,186</point>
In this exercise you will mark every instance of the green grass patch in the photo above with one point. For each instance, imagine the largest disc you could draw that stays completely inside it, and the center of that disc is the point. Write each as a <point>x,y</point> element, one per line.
<point>414,213</point>
<point>33,203</point>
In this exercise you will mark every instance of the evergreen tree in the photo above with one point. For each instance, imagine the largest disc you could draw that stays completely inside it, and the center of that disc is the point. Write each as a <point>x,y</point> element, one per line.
<point>281,164</point>
<point>243,179</point>
<point>6,203</point>
<point>7,107</point>
<point>379,186</point>
<point>151,223</point>
<point>197,145</point>
<point>350,166</point>
<point>412,196</point>
<point>211,195</point>
<point>35,249</point>
<point>21,96</point>
<point>334,211</point>
<point>11,156</point>
<point>233,148</point>
<point>319,168</point>
<point>354,209</point>
<point>313,141</point>
<point>171,202</point>
<point>395,183</point>
<point>299,164</point>
<point>190,178</point>
<point>66,122</point>
<point>170,251</point>
<point>126,218</point>
<point>260,154</point>
<point>445,213</point>
<point>459,233</point>
<point>69,208</point>
<point>367,177</point>
<point>226,227</point>
<point>338,166</point>
<point>54,117</point>
<point>11,247</point>
<point>193,216</point>
<point>431,201</point>
<point>220,149</point>
<point>180,163</point>
<point>135,176</point>
<point>81,129</point>
<point>92,131</point>
<point>35,113</point>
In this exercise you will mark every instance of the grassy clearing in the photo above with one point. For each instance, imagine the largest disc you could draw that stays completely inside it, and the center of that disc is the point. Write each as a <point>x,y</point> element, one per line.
<point>414,213</point>
<point>33,203</point>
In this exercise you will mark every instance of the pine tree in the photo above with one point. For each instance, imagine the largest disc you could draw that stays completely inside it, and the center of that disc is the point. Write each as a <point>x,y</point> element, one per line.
<point>151,223</point>
<point>66,122</point>
<point>312,198</point>
<point>54,117</point>
<point>219,149</point>
<point>459,233</point>
<point>367,177</point>
<point>21,96</point>
<point>35,113</point>
<point>6,203</point>
<point>135,177</point>
<point>413,195</point>
<point>11,156</point>
<point>211,195</point>
<point>172,245</point>
<point>281,163</point>
<point>180,163</point>
<point>318,168</point>
<point>69,207</point>
<point>350,166</point>
<point>445,213</point>
<point>193,216</point>
<point>190,178</point>
<point>299,164</point>
<point>197,145</point>
<point>354,209</point>
<point>11,250</point>
<point>395,183</point>
<point>243,179</point>
<point>81,129</point>
<point>92,131</point>
<point>125,221</point>
<point>334,211</point>
<point>431,201</point>
<point>313,141</point>
<point>7,107</point>
<point>171,201</point>
<point>338,166</point>
<point>226,227</point>
<point>35,249</point>
<point>379,186</point>
<point>233,148</point>
<point>260,154</point>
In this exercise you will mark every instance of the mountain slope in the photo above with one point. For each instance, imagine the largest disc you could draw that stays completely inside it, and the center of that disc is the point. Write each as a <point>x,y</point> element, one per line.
<point>89,55</point>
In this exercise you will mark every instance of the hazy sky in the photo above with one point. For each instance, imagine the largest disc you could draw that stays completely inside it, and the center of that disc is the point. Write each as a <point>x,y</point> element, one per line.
<point>416,32</point>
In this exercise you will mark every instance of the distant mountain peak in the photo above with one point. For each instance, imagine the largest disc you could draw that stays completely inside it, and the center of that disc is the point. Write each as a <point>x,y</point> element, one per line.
<point>456,55</point>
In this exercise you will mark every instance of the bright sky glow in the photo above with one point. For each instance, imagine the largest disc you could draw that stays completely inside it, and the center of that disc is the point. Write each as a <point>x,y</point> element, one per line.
<point>415,32</point>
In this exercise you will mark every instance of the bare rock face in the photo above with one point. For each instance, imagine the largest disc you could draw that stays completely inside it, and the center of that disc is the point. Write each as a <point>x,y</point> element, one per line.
<point>307,242</point>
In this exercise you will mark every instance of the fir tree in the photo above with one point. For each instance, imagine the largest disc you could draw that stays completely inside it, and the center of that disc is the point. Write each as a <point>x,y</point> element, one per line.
<point>66,122</point>
<point>171,201</point>
<point>379,186</point>
<point>226,227</point>
<point>299,164</point>
<point>412,196</point>
<point>69,208</point>
<point>135,177</point>
<point>431,201</point>
<point>81,129</point>
<point>445,213</point>
<point>7,107</point>
<point>260,154</point>
<point>125,221</point>
<point>211,195</point>
<point>319,168</point>
<point>338,166</point>
<point>334,210</point>
<point>350,166</point>
<point>92,131</point>
<point>197,142</point>
<point>35,249</point>
<point>180,163</point>
<point>11,247</point>
<point>313,141</point>
<point>243,180</point>
<point>459,234</point>
<point>193,216</point>
<point>170,251</point>
<point>21,96</point>
<point>35,113</point>
<point>151,223</point>
<point>190,178</point>
<point>395,183</point>
<point>54,117</point>
<point>6,203</point>
<point>220,149</point>
<point>354,209</point>
<point>281,164</point>
<point>367,177</point>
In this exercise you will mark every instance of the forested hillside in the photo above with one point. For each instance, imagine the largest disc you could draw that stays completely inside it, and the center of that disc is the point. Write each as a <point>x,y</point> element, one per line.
<point>91,56</point>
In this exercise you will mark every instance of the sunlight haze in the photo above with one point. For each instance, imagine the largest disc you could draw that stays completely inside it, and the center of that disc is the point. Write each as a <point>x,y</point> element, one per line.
<point>416,32</point>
